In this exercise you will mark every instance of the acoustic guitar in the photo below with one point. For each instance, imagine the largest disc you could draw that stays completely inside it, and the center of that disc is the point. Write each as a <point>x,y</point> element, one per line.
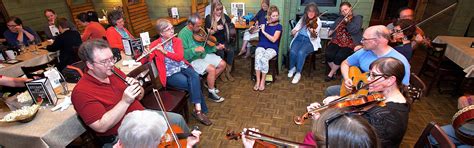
<point>358,80</point>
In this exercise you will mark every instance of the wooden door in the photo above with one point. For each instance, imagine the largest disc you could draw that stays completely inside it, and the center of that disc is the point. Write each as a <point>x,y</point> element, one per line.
<point>136,14</point>
<point>199,6</point>
<point>77,8</point>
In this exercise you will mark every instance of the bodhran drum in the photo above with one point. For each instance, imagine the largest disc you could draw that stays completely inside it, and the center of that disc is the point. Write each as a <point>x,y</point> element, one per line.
<point>463,124</point>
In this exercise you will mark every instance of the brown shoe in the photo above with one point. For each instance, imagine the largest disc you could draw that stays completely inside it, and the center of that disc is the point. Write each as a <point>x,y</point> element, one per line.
<point>201,117</point>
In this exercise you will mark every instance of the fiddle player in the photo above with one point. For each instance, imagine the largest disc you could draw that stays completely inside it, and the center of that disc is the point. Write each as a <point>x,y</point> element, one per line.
<point>375,45</point>
<point>403,35</point>
<point>203,59</point>
<point>346,130</point>
<point>267,48</point>
<point>345,34</point>
<point>407,13</point>
<point>151,126</point>
<point>174,70</point>
<point>390,121</point>
<point>102,99</point>
<point>304,33</point>
<point>218,25</point>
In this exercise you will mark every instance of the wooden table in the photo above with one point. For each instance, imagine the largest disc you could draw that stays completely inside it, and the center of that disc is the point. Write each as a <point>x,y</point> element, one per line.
<point>28,58</point>
<point>459,51</point>
<point>48,129</point>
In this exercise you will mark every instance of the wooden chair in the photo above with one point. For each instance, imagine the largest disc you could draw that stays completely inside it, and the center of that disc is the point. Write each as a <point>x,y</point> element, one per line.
<point>438,68</point>
<point>434,130</point>
<point>32,71</point>
<point>416,89</point>
<point>173,100</point>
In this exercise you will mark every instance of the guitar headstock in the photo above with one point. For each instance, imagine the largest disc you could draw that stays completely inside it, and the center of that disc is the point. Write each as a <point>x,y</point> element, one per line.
<point>231,135</point>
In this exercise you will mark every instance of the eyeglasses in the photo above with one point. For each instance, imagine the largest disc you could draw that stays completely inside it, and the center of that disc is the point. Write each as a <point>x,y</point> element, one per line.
<point>11,26</point>
<point>107,61</point>
<point>373,75</point>
<point>366,39</point>
<point>396,30</point>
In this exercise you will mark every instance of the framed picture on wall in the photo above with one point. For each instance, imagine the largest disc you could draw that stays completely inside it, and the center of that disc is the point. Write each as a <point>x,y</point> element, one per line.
<point>330,3</point>
<point>237,9</point>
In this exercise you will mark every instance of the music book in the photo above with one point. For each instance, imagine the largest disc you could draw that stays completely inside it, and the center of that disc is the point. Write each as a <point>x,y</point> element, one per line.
<point>133,47</point>
<point>42,89</point>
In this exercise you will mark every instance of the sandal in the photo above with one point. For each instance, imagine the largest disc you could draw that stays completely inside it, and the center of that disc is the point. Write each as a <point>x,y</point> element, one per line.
<point>256,88</point>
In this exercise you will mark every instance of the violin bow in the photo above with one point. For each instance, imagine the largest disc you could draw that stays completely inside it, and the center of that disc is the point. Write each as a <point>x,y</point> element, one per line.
<point>160,103</point>
<point>339,24</point>
<point>154,48</point>
<point>431,17</point>
<point>260,136</point>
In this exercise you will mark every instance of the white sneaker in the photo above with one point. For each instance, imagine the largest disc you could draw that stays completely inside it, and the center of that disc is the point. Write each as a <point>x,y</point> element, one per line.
<point>214,90</point>
<point>291,72</point>
<point>297,78</point>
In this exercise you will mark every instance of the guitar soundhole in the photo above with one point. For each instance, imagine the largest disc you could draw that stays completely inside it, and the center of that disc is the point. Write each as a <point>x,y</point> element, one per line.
<point>360,84</point>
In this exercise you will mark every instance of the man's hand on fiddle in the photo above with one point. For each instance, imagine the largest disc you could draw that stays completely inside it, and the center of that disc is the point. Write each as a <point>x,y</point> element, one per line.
<point>248,143</point>
<point>220,47</point>
<point>312,107</point>
<point>199,49</point>
<point>193,140</point>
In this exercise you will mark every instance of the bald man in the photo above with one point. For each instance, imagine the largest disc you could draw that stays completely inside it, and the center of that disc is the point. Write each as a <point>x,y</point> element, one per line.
<point>375,45</point>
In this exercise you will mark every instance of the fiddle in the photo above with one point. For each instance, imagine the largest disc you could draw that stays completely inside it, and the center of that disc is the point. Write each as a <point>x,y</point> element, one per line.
<point>260,139</point>
<point>202,36</point>
<point>168,141</point>
<point>312,24</point>
<point>342,102</point>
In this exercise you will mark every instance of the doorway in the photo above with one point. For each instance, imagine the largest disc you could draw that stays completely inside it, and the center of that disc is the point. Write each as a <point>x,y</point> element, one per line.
<point>386,11</point>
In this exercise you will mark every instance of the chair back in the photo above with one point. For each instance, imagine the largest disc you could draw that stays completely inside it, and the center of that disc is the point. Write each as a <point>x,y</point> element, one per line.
<point>144,76</point>
<point>292,23</point>
<point>417,88</point>
<point>435,54</point>
<point>74,72</point>
<point>438,134</point>
<point>32,71</point>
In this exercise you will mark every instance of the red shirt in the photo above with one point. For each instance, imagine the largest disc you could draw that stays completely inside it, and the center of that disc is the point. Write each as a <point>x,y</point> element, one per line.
<point>93,30</point>
<point>115,39</point>
<point>178,55</point>
<point>92,99</point>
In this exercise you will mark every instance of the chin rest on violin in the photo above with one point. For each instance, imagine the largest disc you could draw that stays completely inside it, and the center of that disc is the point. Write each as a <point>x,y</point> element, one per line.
<point>202,36</point>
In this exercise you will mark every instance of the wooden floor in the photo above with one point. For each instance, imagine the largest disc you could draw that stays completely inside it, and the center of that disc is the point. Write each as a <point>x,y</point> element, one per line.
<point>272,110</point>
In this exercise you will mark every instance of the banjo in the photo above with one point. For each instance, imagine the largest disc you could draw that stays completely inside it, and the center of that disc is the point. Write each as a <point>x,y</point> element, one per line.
<point>463,124</point>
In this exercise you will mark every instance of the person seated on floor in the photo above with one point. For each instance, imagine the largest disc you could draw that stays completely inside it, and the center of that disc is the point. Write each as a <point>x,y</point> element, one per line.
<point>258,19</point>
<point>65,43</point>
<point>375,41</point>
<point>93,30</point>
<point>402,37</point>
<point>51,27</point>
<point>267,48</point>
<point>203,58</point>
<point>345,129</point>
<point>145,128</point>
<point>463,102</point>
<point>17,34</point>
<point>218,25</point>
<point>117,31</point>
<point>174,70</point>
<point>299,47</point>
<point>346,35</point>
<point>101,98</point>
<point>13,82</point>
<point>391,120</point>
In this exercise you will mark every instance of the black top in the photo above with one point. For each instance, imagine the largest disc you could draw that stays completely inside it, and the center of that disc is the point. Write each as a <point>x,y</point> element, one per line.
<point>220,34</point>
<point>390,122</point>
<point>64,43</point>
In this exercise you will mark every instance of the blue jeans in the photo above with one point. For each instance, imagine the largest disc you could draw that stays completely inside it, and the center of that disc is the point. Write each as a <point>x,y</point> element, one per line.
<point>188,79</point>
<point>227,54</point>
<point>449,130</point>
<point>333,90</point>
<point>300,48</point>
